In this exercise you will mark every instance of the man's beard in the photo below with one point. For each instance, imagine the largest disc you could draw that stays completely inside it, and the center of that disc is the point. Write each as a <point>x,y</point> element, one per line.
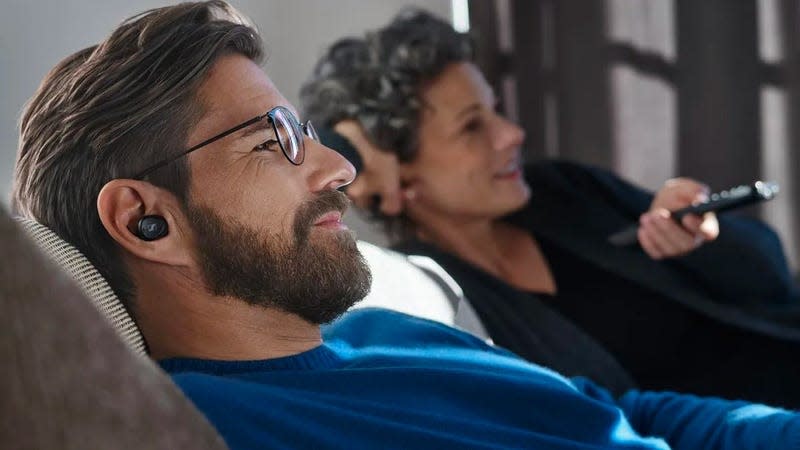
<point>316,279</point>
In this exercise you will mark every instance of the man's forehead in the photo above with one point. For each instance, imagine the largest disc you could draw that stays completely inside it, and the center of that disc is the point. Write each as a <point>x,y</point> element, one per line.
<point>238,89</point>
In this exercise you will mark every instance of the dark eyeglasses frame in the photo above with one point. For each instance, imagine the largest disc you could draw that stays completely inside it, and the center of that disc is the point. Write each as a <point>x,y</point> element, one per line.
<point>306,128</point>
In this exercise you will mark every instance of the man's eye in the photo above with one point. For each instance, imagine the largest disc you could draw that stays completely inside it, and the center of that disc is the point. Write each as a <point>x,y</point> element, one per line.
<point>270,145</point>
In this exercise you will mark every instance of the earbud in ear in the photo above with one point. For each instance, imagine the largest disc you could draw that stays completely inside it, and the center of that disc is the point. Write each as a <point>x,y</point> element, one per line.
<point>151,228</point>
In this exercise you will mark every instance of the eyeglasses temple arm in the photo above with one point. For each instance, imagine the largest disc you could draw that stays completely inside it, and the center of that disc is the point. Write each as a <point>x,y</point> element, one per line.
<point>146,172</point>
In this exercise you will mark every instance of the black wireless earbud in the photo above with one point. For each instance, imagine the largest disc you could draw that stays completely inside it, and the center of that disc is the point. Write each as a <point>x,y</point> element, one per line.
<point>151,228</point>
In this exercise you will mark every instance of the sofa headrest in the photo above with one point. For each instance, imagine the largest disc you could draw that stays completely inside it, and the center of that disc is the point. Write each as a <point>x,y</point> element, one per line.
<point>88,279</point>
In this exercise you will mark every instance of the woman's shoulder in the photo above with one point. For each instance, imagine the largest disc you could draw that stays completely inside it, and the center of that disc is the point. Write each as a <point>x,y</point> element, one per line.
<point>560,169</point>
<point>560,178</point>
<point>584,182</point>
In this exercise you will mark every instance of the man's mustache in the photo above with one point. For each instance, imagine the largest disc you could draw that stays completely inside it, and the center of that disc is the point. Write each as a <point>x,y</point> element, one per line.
<point>311,210</point>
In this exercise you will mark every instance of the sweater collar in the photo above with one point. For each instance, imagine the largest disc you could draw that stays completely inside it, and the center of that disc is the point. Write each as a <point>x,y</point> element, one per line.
<point>321,357</point>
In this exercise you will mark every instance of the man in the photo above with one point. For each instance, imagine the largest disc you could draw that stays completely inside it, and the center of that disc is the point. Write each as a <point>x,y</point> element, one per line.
<point>168,157</point>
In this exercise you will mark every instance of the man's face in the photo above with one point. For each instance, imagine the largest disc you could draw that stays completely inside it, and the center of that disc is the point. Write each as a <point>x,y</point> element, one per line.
<point>269,232</point>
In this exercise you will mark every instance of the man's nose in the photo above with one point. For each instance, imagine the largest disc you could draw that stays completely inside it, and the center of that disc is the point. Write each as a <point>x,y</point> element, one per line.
<point>329,169</point>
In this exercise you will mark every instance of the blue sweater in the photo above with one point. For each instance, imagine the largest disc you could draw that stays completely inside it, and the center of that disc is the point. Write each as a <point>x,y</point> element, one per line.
<point>387,380</point>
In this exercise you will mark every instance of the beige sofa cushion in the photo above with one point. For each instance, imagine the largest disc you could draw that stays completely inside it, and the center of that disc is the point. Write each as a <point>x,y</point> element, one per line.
<point>418,286</point>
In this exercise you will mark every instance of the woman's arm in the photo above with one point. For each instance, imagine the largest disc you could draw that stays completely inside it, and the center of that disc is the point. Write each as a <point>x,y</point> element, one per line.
<point>745,264</point>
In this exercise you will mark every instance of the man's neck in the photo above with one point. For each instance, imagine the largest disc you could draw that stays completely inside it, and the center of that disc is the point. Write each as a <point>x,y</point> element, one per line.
<point>183,320</point>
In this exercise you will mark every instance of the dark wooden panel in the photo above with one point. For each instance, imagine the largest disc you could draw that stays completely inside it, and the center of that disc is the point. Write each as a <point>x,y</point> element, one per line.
<point>583,81</point>
<point>718,91</point>
<point>531,80</point>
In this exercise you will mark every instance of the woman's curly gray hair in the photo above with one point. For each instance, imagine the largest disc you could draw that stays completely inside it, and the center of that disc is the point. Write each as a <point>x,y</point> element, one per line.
<point>376,80</point>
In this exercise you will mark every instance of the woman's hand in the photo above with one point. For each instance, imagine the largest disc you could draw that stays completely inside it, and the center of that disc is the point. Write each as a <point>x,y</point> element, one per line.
<point>660,236</point>
<point>380,176</point>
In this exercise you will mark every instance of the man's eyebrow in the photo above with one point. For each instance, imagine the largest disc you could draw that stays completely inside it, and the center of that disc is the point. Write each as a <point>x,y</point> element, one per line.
<point>261,125</point>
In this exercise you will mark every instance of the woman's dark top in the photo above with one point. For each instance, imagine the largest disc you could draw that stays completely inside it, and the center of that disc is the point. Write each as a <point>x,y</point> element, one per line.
<point>527,325</point>
<point>665,345</point>
<point>622,330</point>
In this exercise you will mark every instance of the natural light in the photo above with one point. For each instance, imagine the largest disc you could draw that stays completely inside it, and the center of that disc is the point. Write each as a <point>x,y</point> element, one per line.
<point>460,15</point>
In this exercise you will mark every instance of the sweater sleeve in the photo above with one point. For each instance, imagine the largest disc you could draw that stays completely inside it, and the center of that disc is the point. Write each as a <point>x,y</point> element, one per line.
<point>690,422</point>
<point>746,264</point>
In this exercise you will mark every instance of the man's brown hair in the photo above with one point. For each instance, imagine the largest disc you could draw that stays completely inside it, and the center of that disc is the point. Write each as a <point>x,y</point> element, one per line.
<point>111,110</point>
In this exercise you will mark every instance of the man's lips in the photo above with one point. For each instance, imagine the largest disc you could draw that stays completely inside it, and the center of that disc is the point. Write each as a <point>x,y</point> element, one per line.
<point>331,219</point>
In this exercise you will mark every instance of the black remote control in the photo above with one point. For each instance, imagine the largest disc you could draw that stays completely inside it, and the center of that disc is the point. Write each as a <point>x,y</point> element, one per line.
<point>735,197</point>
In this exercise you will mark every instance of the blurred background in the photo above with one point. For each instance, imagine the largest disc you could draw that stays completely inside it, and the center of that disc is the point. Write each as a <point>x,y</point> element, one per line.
<point>649,88</point>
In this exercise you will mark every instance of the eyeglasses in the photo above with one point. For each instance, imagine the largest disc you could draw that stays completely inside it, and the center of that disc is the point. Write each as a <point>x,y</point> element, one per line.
<point>286,126</point>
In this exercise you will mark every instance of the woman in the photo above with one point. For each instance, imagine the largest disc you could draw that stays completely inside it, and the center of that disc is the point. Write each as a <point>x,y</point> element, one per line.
<point>529,244</point>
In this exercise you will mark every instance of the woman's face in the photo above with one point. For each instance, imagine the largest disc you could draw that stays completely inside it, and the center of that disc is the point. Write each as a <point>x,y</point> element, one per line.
<point>468,163</point>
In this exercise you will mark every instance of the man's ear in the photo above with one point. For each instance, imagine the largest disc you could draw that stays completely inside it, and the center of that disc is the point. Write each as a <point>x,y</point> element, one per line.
<point>122,203</point>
